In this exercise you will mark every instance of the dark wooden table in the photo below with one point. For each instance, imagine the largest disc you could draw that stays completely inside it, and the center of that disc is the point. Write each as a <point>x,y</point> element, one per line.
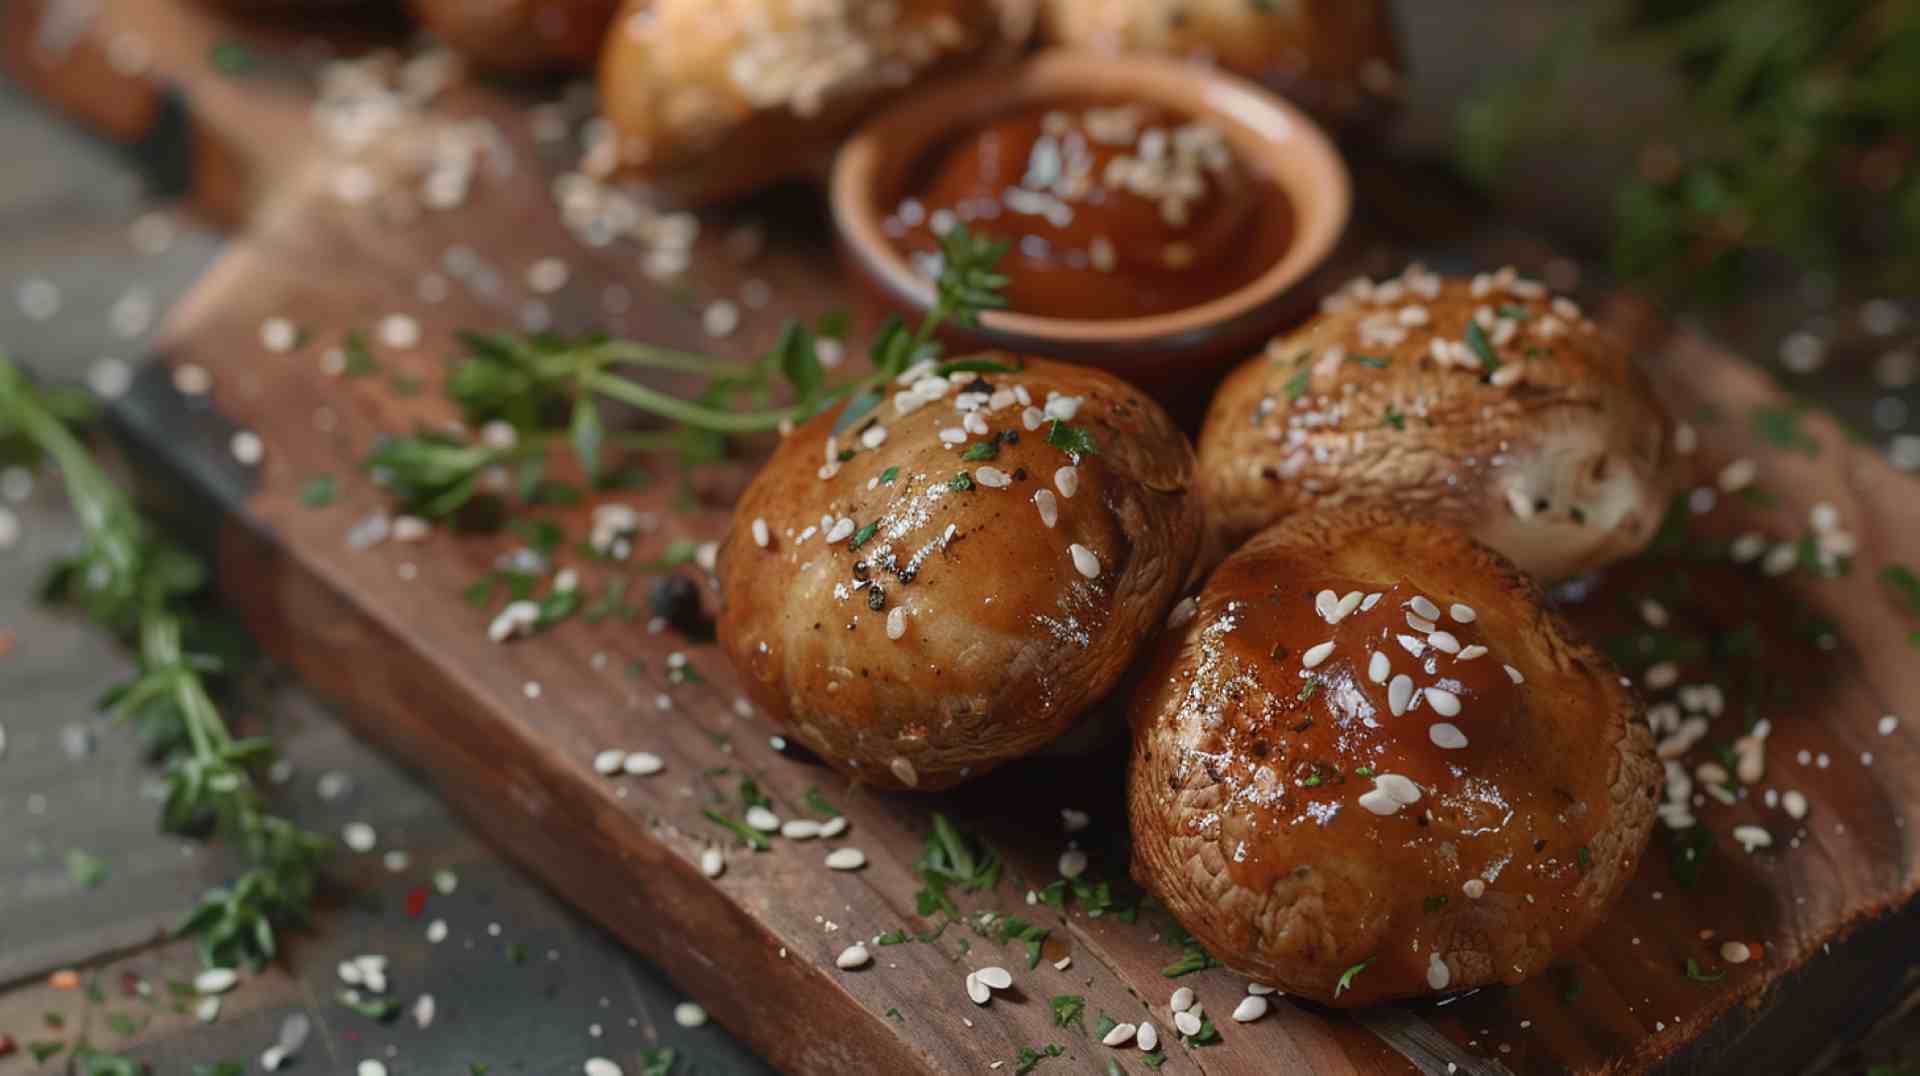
<point>519,982</point>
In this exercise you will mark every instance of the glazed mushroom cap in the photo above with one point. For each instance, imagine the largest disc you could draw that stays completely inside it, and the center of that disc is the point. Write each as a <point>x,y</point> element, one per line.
<point>1341,60</point>
<point>698,92</point>
<point>1368,742</point>
<point>520,36</point>
<point>980,568</point>
<point>1555,452</point>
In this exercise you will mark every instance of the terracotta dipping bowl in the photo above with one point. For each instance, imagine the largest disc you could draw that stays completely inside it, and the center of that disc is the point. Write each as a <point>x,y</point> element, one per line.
<point>1271,137</point>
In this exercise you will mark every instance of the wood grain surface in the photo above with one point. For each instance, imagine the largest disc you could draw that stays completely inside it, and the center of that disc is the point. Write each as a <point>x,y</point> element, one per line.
<point>508,733</point>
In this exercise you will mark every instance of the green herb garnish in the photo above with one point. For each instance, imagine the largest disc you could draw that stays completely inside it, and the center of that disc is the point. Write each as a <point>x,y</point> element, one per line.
<point>1695,973</point>
<point>1030,1058</point>
<point>1072,440</point>
<point>753,838</point>
<point>864,534</point>
<point>318,491</point>
<point>960,483</point>
<point>1482,347</point>
<point>1067,1009</point>
<point>1347,977</point>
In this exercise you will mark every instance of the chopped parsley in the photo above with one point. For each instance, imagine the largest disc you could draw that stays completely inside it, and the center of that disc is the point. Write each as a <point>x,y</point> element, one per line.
<point>1513,312</point>
<point>86,869</point>
<point>1030,1058</point>
<point>1013,928</point>
<point>1103,1025</point>
<point>750,794</point>
<point>1307,690</point>
<point>1296,386</point>
<point>1434,903</point>
<point>754,839</point>
<point>1482,347</point>
<point>1780,427</point>
<point>949,859</point>
<point>1905,583</point>
<point>1395,419</point>
<point>982,450</point>
<point>378,1009</point>
<point>893,937</point>
<point>1378,362</point>
<point>961,482</point>
<point>1072,440</point>
<point>1347,977</point>
<point>1192,959</point>
<point>1068,1009</point>
<point>1207,1035</point>
<point>1155,1059</point>
<point>894,1014</point>
<point>318,491</point>
<point>1585,857</point>
<point>1695,973</point>
<point>887,476</point>
<point>821,806</point>
<point>864,534</point>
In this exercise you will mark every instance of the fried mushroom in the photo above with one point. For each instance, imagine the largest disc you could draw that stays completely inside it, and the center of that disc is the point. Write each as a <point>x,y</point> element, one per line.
<point>1371,764</point>
<point>950,580</point>
<point>520,36</point>
<point>1339,58</point>
<point>709,99</point>
<point>1485,402</point>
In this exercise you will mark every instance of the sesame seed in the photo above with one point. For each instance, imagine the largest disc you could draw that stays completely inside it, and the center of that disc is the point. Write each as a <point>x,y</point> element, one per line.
<point>1187,1023</point>
<point>992,477</point>
<point>1888,724</point>
<point>1752,837</point>
<point>1438,975</point>
<point>547,275</point>
<point>1738,475</point>
<point>896,622</point>
<point>1661,675</point>
<point>1444,640</point>
<point>608,762</point>
<point>1400,694</point>
<point>1118,1035</point>
<point>1148,1037</point>
<point>1317,654</point>
<point>833,827</point>
<point>1049,507</point>
<point>720,318</point>
<point>1073,863</point>
<point>1085,561</point>
<point>215,981</point>
<point>1251,1008</point>
<point>1445,703</point>
<point>903,769</point>
<point>643,764</point>
<point>1461,613</point>
<point>1324,603</point>
<point>953,435</point>
<point>359,836</point>
<point>1795,804</point>
<point>689,1014</point>
<point>1378,801</point>
<point>712,863</point>
<point>874,437</point>
<point>977,991</point>
<point>1424,608</point>
<point>1474,888</point>
<point>842,529</point>
<point>1182,999</point>
<point>760,534</point>
<point>278,335</point>
<point>1514,674</point>
<point>1420,624</point>
<point>845,859</point>
<point>1067,481</point>
<point>1735,952</point>
<point>399,331</point>
<point>600,1066</point>
<point>853,956</point>
<point>1183,613</point>
<point>1261,989</point>
<point>1446,735</point>
<point>1379,667</point>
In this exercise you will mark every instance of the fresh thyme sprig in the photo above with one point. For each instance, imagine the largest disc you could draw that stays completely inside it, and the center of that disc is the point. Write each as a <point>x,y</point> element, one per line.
<point>141,587</point>
<point>544,388</point>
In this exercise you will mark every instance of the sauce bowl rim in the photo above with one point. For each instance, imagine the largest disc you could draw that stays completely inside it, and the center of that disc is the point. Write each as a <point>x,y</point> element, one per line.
<point>1271,134</point>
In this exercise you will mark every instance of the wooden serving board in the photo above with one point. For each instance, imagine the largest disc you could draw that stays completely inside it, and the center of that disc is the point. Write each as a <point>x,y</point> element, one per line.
<point>508,733</point>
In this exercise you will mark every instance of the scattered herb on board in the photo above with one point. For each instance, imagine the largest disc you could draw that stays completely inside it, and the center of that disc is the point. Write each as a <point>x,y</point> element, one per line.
<point>1155,1059</point>
<point>820,804</point>
<point>86,869</point>
<point>1208,1035</point>
<point>134,583</point>
<point>1695,973</point>
<point>1013,928</point>
<point>1068,1009</point>
<point>952,859</point>
<point>378,1008</point>
<point>1781,428</point>
<point>524,382</point>
<point>753,838</point>
<point>318,491</point>
<point>893,937</point>
<point>1103,1025</point>
<point>657,1061</point>
<point>1347,977</point>
<point>1030,1057</point>
<point>1395,419</point>
<point>1296,385</point>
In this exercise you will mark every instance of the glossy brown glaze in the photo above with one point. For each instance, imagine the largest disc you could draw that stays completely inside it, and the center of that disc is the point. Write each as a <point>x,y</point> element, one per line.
<point>1299,826</point>
<point>1485,402</point>
<point>520,36</point>
<point>917,613</point>
<point>1112,210</point>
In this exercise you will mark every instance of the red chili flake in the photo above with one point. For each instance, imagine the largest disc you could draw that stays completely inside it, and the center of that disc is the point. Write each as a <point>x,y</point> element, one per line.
<point>416,901</point>
<point>130,984</point>
<point>6,646</point>
<point>8,1047</point>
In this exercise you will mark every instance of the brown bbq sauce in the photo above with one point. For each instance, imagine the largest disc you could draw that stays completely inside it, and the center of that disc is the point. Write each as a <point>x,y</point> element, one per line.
<point>1111,210</point>
<point>1297,753</point>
